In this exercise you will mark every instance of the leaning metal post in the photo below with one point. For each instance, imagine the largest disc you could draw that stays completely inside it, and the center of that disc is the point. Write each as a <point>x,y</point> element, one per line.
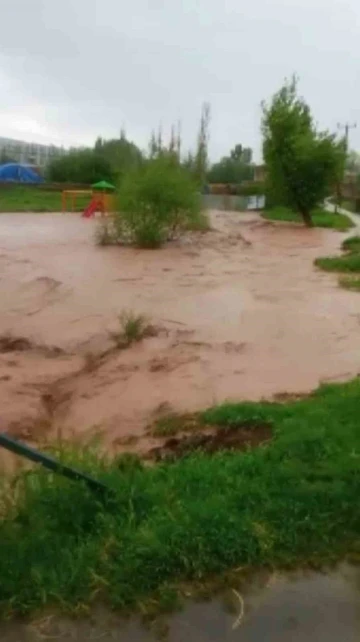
<point>19,448</point>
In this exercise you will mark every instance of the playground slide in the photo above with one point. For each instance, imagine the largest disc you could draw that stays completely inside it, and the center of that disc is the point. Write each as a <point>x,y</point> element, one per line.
<point>91,208</point>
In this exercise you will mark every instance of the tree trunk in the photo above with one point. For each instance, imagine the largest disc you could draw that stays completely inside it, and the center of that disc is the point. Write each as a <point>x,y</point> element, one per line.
<point>307,218</point>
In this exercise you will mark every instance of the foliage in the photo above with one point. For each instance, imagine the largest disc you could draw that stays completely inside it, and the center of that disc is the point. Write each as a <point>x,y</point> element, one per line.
<point>108,160</point>
<point>121,154</point>
<point>234,168</point>
<point>320,217</point>
<point>199,222</point>
<point>200,159</point>
<point>348,262</point>
<point>157,201</point>
<point>251,188</point>
<point>243,154</point>
<point>351,244</point>
<point>302,163</point>
<point>172,149</point>
<point>293,501</point>
<point>133,325</point>
<point>80,166</point>
<point>133,328</point>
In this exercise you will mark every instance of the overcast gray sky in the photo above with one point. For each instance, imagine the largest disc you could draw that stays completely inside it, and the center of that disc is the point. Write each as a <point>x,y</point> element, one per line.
<point>71,70</point>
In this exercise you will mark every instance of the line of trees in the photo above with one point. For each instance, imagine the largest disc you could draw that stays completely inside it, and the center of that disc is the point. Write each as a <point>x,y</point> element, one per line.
<point>303,163</point>
<point>112,159</point>
<point>107,160</point>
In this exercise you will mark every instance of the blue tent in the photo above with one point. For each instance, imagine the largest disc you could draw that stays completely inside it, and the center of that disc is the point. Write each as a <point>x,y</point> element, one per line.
<point>16,173</point>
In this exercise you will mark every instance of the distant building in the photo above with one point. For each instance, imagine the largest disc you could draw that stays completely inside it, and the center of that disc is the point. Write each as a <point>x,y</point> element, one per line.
<point>28,153</point>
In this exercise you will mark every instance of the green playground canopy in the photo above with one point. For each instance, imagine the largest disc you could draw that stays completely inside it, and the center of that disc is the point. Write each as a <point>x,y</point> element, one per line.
<point>103,185</point>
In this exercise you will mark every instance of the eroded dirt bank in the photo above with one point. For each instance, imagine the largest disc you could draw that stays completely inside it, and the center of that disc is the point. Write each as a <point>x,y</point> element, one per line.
<point>240,312</point>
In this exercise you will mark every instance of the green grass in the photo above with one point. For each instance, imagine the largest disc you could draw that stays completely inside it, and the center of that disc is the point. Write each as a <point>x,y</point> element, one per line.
<point>33,199</point>
<point>345,263</point>
<point>321,218</point>
<point>351,244</point>
<point>348,262</point>
<point>293,501</point>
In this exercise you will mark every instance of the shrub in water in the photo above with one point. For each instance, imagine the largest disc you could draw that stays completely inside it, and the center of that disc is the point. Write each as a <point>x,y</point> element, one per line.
<point>157,201</point>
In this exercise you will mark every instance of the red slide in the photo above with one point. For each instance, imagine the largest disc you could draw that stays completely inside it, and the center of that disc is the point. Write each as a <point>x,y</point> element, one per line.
<point>90,210</point>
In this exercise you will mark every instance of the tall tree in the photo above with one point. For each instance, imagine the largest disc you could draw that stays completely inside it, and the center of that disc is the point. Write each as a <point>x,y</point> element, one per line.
<point>240,153</point>
<point>201,154</point>
<point>302,163</point>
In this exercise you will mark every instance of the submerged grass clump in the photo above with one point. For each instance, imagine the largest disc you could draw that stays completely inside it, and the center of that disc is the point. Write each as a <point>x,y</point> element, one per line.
<point>291,501</point>
<point>133,327</point>
<point>350,283</point>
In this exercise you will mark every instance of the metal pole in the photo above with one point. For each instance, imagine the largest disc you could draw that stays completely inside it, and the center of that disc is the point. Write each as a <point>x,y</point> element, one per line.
<point>347,127</point>
<point>19,448</point>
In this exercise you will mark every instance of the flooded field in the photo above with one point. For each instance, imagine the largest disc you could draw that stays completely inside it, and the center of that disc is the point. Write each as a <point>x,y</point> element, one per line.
<point>301,607</point>
<point>239,313</point>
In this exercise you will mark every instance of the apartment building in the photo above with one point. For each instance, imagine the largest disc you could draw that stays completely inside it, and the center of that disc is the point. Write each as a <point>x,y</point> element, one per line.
<point>28,153</point>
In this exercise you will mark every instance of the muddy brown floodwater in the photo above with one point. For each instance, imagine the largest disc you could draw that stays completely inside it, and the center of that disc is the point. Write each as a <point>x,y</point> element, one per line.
<point>301,607</point>
<point>240,312</point>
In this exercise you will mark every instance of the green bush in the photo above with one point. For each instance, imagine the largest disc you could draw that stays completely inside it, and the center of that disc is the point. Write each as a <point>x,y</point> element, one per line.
<point>157,201</point>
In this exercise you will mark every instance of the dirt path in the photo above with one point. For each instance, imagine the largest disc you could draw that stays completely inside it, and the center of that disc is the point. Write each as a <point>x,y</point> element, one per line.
<point>241,313</point>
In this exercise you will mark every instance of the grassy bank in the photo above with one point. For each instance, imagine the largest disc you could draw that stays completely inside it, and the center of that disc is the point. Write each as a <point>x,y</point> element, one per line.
<point>33,199</point>
<point>289,502</point>
<point>321,218</point>
<point>348,262</point>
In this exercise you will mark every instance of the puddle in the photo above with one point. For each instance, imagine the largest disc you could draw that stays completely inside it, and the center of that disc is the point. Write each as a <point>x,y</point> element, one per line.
<point>301,607</point>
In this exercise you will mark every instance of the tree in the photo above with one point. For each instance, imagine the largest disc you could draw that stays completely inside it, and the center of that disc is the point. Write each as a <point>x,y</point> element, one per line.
<point>302,163</point>
<point>200,165</point>
<point>80,166</point>
<point>159,148</point>
<point>234,168</point>
<point>108,160</point>
<point>241,154</point>
<point>121,154</point>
